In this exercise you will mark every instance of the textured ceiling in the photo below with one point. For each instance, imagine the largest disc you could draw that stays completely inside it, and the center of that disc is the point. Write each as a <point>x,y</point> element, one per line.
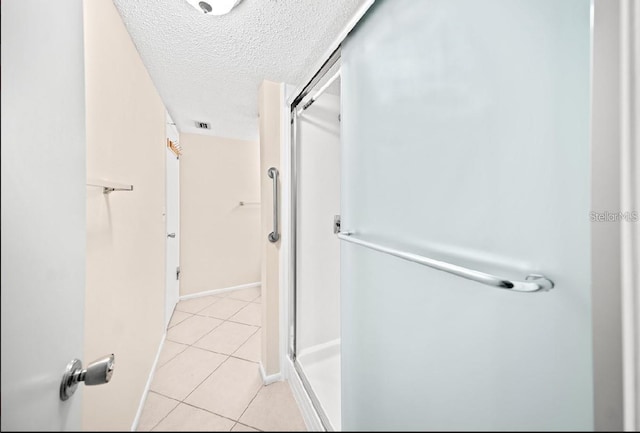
<point>208,68</point>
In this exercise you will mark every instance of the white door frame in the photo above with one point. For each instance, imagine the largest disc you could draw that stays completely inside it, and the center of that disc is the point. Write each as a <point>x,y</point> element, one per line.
<point>172,280</point>
<point>630,201</point>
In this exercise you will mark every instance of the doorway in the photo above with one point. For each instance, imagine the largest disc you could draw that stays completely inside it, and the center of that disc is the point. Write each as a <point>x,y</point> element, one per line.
<point>172,220</point>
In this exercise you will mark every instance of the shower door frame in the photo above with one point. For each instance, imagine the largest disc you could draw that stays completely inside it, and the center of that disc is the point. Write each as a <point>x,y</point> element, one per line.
<point>294,107</point>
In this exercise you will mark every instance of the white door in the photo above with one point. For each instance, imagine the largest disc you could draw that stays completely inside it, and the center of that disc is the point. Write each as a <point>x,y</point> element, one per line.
<point>465,129</point>
<point>173,225</point>
<point>43,211</point>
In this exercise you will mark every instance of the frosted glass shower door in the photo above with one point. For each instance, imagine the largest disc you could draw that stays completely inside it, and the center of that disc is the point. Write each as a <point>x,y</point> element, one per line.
<point>465,128</point>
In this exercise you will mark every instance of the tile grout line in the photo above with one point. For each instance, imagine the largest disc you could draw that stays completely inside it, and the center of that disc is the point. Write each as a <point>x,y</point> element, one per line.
<point>211,412</point>
<point>227,318</point>
<point>216,299</point>
<point>228,356</point>
<point>215,369</point>
<point>247,425</point>
<point>200,309</point>
<point>221,353</point>
<point>175,324</point>
<point>242,323</point>
<point>242,345</point>
<point>225,354</point>
<point>248,303</point>
<point>197,386</point>
<point>199,408</point>
<point>169,360</point>
<point>203,380</point>
<point>209,332</point>
<point>166,338</point>
<point>182,401</point>
<point>212,329</point>
<point>262,386</point>
<point>254,397</point>
<point>232,355</point>
<point>162,419</point>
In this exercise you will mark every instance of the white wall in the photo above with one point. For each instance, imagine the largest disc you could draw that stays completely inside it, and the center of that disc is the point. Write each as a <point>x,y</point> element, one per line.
<point>270,102</point>
<point>220,240</point>
<point>43,215</point>
<point>318,200</point>
<point>125,230</point>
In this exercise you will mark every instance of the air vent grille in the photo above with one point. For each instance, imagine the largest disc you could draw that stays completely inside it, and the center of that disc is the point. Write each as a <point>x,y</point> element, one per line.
<point>203,125</point>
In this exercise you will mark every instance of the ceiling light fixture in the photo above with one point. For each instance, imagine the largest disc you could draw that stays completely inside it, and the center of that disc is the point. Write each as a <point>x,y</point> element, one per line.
<point>214,7</point>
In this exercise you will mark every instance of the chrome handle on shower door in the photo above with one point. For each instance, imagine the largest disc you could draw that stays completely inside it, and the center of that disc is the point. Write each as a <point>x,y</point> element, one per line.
<point>532,283</point>
<point>273,174</point>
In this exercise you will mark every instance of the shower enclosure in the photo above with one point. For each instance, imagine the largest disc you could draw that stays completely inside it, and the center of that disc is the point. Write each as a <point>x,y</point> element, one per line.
<point>455,293</point>
<point>316,152</point>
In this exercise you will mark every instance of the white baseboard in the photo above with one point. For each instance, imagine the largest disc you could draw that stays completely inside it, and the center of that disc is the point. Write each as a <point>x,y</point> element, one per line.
<point>268,380</point>
<point>218,291</point>
<point>309,414</point>
<point>145,392</point>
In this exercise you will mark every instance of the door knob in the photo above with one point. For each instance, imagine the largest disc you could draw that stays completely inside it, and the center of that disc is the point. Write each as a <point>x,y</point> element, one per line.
<point>171,235</point>
<point>96,373</point>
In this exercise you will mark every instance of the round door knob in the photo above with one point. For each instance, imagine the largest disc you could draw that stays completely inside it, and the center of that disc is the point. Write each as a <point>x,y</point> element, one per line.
<point>96,373</point>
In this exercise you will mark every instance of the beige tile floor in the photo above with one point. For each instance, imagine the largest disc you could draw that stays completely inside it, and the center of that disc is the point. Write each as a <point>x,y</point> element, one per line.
<point>208,377</point>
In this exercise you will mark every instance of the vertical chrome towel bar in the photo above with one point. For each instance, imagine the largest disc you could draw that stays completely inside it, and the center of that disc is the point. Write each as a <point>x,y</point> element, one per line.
<point>274,235</point>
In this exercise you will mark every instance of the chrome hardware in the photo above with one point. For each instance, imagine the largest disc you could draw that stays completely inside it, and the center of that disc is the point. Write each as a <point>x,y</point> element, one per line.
<point>320,91</point>
<point>336,224</point>
<point>108,186</point>
<point>96,373</point>
<point>274,235</point>
<point>532,283</point>
<point>171,235</point>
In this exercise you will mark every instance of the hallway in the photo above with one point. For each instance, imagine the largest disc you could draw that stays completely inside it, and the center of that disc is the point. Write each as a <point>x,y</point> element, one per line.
<point>208,374</point>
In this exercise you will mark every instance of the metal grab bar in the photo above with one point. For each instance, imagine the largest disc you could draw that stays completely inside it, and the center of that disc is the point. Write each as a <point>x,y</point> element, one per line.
<point>532,283</point>
<point>273,174</point>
